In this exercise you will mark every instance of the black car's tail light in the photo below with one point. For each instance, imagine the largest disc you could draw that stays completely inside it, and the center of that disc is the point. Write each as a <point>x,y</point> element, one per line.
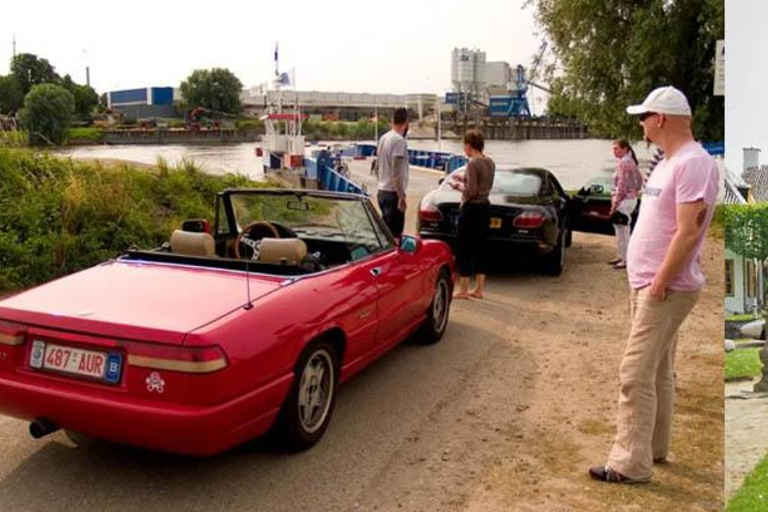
<point>529,220</point>
<point>429,212</point>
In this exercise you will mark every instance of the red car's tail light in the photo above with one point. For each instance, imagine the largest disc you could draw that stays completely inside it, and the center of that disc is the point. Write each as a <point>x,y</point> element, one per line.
<point>179,359</point>
<point>12,334</point>
<point>529,220</point>
<point>429,212</point>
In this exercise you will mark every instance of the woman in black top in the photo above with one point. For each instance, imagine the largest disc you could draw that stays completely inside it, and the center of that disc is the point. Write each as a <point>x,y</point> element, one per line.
<point>474,215</point>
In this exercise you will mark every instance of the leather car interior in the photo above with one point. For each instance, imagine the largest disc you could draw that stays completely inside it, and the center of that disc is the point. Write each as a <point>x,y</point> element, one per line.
<point>286,251</point>
<point>192,244</point>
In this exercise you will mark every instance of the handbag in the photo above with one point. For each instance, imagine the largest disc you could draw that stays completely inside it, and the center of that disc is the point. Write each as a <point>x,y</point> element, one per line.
<point>622,219</point>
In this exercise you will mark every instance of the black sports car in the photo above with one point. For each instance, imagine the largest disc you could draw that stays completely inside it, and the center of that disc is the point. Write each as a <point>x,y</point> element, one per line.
<point>529,214</point>
<point>591,207</point>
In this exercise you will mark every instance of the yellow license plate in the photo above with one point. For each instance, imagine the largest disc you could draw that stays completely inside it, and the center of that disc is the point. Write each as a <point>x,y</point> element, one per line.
<point>495,223</point>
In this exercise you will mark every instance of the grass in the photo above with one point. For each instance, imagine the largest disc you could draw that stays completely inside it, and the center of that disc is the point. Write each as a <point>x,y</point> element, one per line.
<point>59,215</point>
<point>753,494</point>
<point>742,364</point>
<point>85,134</point>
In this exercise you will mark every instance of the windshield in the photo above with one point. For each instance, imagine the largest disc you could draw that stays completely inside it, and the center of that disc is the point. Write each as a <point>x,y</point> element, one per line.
<point>312,219</point>
<point>518,183</point>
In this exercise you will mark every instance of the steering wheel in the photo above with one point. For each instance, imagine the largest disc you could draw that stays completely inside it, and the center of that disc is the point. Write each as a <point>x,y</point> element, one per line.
<point>249,240</point>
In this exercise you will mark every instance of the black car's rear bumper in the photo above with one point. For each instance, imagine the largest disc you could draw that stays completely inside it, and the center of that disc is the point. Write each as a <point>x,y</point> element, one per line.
<point>516,243</point>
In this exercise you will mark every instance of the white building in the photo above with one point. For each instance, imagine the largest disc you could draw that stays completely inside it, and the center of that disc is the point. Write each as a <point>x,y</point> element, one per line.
<point>745,278</point>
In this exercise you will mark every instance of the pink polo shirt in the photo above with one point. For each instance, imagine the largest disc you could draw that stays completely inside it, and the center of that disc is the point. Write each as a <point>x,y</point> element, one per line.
<point>688,176</point>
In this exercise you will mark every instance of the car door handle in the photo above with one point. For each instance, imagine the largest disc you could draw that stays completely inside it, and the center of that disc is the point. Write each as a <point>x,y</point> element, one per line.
<point>376,271</point>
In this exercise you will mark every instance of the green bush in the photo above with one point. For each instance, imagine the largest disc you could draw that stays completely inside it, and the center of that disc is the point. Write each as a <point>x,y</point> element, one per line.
<point>59,215</point>
<point>14,139</point>
<point>47,113</point>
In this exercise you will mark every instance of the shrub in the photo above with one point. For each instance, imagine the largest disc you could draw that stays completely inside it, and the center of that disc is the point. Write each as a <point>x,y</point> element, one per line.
<point>47,113</point>
<point>59,215</point>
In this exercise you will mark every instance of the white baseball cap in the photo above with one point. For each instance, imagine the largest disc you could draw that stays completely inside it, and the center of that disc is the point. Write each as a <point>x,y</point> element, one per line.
<point>664,100</point>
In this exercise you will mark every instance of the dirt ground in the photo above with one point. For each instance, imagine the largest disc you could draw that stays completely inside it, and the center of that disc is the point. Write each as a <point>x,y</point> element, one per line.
<point>544,406</point>
<point>573,337</point>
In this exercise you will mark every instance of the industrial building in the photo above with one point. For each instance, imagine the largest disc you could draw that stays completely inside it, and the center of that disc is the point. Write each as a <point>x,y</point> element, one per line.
<point>160,102</point>
<point>145,103</point>
<point>495,87</point>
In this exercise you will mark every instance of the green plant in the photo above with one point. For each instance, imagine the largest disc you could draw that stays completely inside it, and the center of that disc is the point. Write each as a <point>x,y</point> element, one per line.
<point>14,139</point>
<point>216,89</point>
<point>47,113</point>
<point>59,215</point>
<point>607,55</point>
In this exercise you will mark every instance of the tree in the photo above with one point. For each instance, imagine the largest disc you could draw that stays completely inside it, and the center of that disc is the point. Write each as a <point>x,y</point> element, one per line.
<point>85,97</point>
<point>11,95</point>
<point>746,230</point>
<point>47,113</point>
<point>217,89</point>
<point>30,70</point>
<point>608,55</point>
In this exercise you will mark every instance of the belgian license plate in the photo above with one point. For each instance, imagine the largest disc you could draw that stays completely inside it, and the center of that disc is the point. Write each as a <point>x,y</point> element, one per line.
<point>103,366</point>
<point>495,223</point>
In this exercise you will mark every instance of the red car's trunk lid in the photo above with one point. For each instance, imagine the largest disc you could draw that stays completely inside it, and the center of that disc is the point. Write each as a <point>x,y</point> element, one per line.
<point>136,300</point>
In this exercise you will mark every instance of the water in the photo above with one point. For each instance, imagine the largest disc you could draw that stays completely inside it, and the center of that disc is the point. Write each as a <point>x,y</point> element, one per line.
<point>572,161</point>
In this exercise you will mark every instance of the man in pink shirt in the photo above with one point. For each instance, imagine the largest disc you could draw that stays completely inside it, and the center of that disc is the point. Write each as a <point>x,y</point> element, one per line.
<point>665,277</point>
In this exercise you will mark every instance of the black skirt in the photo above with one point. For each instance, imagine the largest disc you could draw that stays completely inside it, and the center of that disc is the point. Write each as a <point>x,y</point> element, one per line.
<point>472,242</point>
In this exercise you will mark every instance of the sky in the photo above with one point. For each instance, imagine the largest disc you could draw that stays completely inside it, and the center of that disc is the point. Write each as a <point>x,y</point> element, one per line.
<point>746,76</point>
<point>397,46</point>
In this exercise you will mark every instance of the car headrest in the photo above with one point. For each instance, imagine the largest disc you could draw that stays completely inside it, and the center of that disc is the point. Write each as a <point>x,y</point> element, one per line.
<point>192,244</point>
<point>286,251</point>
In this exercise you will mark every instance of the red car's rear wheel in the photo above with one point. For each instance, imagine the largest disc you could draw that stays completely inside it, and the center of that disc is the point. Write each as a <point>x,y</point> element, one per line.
<point>309,406</point>
<point>437,315</point>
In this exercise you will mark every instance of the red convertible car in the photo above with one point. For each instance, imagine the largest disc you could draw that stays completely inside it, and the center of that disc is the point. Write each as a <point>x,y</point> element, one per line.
<point>215,338</point>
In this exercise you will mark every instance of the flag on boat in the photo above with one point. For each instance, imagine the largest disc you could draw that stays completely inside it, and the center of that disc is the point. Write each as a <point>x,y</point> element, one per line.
<point>285,79</point>
<point>276,59</point>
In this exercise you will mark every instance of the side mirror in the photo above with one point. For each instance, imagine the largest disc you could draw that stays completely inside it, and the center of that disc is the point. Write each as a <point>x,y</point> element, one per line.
<point>409,244</point>
<point>596,189</point>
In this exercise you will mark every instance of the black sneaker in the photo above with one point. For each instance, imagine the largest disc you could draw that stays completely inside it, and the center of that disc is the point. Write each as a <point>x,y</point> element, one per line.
<point>606,474</point>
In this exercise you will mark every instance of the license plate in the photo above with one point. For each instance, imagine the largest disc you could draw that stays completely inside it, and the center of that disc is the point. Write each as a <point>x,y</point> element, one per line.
<point>103,366</point>
<point>495,223</point>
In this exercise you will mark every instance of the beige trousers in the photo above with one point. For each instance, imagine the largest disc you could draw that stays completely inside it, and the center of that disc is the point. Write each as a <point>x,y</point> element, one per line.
<point>647,382</point>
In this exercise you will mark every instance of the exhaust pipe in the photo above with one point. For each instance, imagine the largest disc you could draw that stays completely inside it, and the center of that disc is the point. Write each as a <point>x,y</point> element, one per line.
<point>41,427</point>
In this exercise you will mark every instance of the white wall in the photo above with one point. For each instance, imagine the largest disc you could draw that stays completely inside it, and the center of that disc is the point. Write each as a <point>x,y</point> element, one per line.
<point>735,304</point>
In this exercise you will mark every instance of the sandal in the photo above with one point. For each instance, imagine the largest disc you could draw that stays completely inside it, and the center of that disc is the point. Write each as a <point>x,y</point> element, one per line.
<point>620,265</point>
<point>606,474</point>
<point>615,261</point>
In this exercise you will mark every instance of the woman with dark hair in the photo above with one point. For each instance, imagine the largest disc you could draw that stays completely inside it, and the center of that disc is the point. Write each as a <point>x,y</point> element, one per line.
<point>474,215</point>
<point>627,182</point>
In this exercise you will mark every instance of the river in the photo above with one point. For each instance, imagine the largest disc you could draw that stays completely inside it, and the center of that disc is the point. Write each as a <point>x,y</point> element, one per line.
<point>572,161</point>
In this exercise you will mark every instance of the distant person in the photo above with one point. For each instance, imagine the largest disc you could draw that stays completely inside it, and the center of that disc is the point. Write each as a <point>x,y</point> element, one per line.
<point>658,155</point>
<point>474,216</point>
<point>627,183</point>
<point>392,162</point>
<point>665,278</point>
